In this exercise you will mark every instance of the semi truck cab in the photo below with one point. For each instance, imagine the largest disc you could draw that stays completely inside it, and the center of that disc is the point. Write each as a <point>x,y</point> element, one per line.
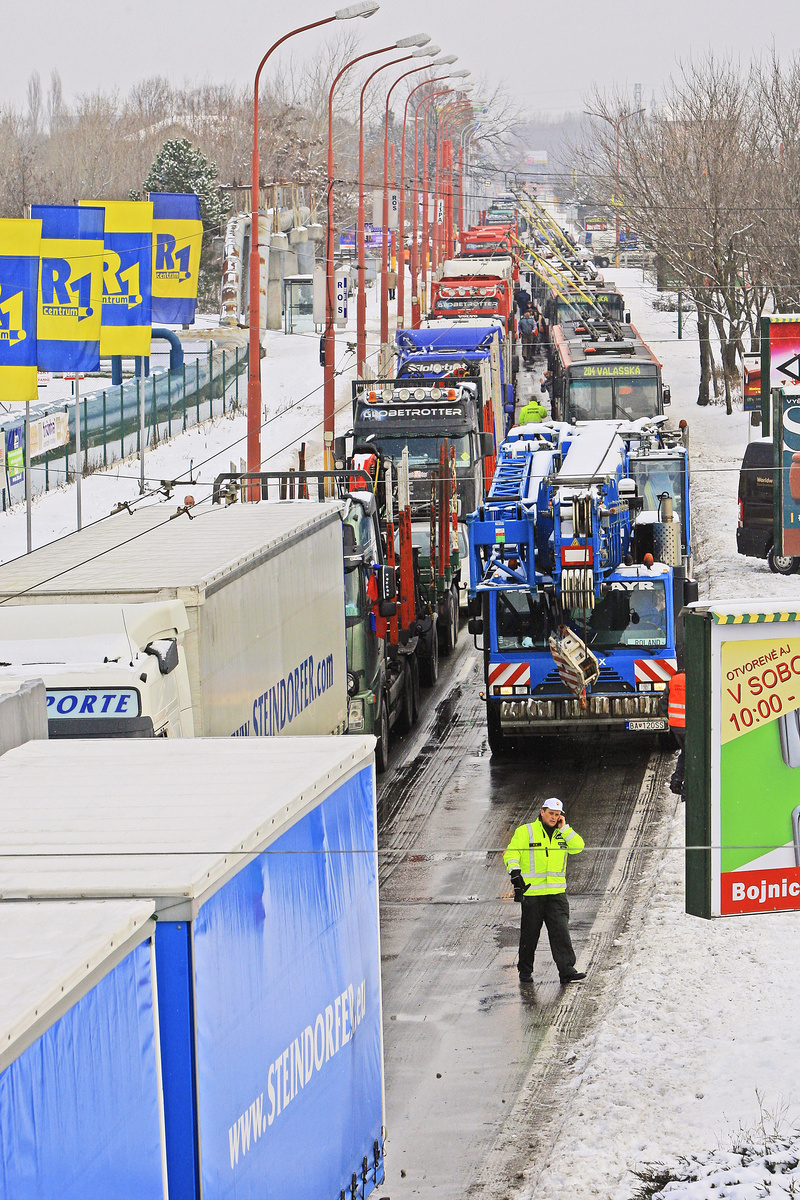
<point>109,670</point>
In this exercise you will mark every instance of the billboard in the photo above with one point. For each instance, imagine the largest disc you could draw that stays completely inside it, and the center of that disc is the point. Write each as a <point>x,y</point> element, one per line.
<point>786,435</point>
<point>70,287</point>
<point>20,242</point>
<point>127,276</point>
<point>177,244</point>
<point>780,356</point>
<point>743,759</point>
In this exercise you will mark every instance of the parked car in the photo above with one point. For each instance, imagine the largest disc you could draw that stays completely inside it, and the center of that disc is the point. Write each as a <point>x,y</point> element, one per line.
<point>754,535</point>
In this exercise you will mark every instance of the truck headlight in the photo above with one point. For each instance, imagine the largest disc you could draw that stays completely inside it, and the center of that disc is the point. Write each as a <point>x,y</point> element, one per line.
<point>355,715</point>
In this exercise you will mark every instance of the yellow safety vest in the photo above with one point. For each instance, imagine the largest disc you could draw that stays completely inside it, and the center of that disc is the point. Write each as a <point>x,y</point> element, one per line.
<point>542,856</point>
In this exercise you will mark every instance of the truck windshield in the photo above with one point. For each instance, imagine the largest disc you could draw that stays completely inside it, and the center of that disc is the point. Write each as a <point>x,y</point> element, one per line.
<point>654,476</point>
<point>632,614</point>
<point>591,399</point>
<point>636,397</point>
<point>424,451</point>
<point>610,399</point>
<point>523,621</point>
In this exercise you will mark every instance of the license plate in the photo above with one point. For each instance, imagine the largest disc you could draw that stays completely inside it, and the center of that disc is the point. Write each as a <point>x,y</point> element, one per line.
<point>647,723</point>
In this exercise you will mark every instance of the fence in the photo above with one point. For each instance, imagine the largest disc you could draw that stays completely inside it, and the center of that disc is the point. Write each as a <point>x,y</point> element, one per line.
<point>110,420</point>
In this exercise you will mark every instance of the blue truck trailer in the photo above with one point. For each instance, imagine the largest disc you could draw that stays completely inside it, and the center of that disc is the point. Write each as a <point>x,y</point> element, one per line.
<point>259,855</point>
<point>81,1112</point>
<point>576,585</point>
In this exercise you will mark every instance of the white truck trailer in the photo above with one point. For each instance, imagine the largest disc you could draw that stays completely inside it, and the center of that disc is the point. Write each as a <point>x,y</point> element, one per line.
<point>218,622</point>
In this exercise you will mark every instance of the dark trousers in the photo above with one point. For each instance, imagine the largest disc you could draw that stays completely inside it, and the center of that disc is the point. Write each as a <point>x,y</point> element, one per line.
<point>552,911</point>
<point>680,765</point>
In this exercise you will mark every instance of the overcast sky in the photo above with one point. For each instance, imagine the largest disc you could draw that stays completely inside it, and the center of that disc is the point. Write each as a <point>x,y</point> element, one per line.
<point>547,54</point>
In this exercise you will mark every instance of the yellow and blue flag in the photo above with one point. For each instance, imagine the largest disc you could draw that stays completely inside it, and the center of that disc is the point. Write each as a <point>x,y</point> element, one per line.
<point>19,278</point>
<point>127,276</point>
<point>177,242</point>
<point>70,287</point>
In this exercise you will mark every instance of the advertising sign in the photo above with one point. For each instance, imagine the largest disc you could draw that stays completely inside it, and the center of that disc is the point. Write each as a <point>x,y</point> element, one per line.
<point>127,276</point>
<point>780,358</point>
<point>743,759</point>
<point>19,277</point>
<point>341,288</point>
<point>786,434</point>
<point>48,433</point>
<point>70,287</point>
<point>15,455</point>
<point>177,242</point>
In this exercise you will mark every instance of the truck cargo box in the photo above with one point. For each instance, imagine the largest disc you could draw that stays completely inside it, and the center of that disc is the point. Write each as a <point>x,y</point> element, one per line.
<point>263,589</point>
<point>81,1111</point>
<point>261,857</point>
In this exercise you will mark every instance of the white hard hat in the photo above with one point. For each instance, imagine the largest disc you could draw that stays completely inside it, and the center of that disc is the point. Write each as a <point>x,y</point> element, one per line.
<point>554,803</point>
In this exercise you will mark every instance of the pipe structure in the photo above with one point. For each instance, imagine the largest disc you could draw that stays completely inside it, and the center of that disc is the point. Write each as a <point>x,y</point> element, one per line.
<point>364,9</point>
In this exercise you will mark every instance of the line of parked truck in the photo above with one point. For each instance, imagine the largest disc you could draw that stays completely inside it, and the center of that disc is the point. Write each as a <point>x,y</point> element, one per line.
<point>172,1021</point>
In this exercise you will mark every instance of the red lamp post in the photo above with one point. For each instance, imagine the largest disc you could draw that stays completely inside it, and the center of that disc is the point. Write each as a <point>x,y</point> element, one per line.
<point>361,299</point>
<point>401,215</point>
<point>364,9</point>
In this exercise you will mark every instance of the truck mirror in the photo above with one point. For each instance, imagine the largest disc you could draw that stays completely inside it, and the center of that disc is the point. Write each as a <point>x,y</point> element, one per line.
<point>166,652</point>
<point>387,589</point>
<point>487,445</point>
<point>387,608</point>
<point>691,593</point>
<point>667,395</point>
<point>339,451</point>
<point>627,318</point>
<point>475,626</point>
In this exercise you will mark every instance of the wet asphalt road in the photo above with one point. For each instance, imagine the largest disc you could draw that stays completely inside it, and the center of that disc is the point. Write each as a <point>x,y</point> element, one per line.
<point>461,1033</point>
<point>466,1045</point>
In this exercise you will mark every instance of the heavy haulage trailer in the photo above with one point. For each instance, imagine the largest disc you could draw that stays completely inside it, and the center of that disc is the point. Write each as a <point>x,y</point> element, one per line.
<point>580,560</point>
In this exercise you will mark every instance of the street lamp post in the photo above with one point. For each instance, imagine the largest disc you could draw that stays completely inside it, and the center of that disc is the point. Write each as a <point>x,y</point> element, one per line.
<point>424,104</point>
<point>364,9</point>
<point>329,337</point>
<point>401,216</point>
<point>361,298</point>
<point>617,123</point>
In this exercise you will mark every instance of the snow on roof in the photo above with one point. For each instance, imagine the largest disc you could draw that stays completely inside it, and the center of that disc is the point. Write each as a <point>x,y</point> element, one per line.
<point>157,817</point>
<point>49,951</point>
<point>146,550</point>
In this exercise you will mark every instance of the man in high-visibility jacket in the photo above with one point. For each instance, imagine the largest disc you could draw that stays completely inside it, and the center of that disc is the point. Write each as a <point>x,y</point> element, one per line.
<point>536,860</point>
<point>676,715</point>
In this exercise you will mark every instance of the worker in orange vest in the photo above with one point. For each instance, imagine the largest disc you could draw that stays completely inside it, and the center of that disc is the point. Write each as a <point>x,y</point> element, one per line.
<point>676,715</point>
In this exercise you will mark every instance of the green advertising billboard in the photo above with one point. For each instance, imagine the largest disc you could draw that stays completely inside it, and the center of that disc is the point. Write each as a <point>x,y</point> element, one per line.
<point>743,758</point>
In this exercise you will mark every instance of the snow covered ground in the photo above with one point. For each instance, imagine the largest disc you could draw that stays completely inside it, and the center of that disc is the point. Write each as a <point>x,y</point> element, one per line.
<point>700,1029</point>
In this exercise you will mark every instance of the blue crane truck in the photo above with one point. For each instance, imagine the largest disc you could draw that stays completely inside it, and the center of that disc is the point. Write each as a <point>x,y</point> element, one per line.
<point>580,559</point>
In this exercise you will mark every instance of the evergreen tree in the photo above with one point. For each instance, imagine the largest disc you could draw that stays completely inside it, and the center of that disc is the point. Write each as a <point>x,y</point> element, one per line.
<point>181,167</point>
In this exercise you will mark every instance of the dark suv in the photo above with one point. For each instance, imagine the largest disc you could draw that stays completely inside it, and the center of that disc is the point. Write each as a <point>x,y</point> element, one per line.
<point>755,529</point>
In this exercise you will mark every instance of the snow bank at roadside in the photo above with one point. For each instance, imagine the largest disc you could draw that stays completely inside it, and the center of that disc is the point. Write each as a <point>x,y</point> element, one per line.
<point>701,1027</point>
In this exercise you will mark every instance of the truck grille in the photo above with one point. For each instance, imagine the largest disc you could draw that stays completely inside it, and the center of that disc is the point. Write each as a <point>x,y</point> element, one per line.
<point>606,708</point>
<point>608,681</point>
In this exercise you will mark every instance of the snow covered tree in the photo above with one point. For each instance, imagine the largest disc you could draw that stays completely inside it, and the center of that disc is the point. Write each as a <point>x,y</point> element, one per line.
<point>181,167</point>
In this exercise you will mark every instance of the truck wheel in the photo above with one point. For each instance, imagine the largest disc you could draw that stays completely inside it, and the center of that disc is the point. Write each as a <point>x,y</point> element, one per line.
<point>447,631</point>
<point>405,715</point>
<point>382,734</point>
<point>429,667</point>
<point>415,687</point>
<point>497,739</point>
<point>781,564</point>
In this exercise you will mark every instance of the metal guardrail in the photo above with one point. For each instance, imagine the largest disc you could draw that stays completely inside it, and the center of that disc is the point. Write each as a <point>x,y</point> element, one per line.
<point>173,402</point>
<point>291,485</point>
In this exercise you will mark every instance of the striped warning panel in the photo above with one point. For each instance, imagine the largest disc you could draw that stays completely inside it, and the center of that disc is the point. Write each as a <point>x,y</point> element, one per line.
<point>654,670</point>
<point>504,674</point>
